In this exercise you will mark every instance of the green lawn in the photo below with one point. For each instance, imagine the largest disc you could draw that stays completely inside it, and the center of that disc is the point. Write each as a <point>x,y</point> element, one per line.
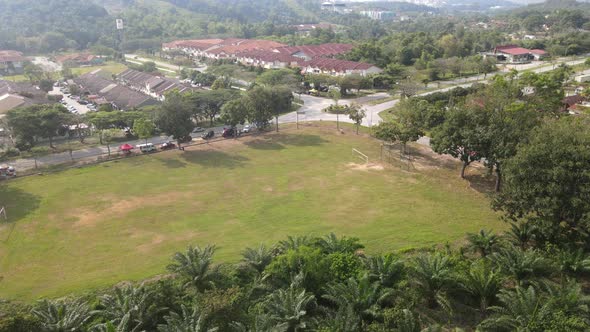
<point>110,66</point>
<point>92,227</point>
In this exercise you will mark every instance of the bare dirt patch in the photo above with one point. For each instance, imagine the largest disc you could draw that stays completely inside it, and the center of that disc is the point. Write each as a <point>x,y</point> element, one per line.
<point>87,217</point>
<point>365,167</point>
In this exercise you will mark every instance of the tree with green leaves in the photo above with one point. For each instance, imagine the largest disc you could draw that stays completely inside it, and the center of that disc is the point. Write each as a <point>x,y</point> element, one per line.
<point>484,242</point>
<point>235,112</point>
<point>144,128</point>
<point>460,136</point>
<point>432,275</point>
<point>482,283</point>
<point>130,305</point>
<point>356,113</point>
<point>554,195</point>
<point>258,258</point>
<point>175,118</point>
<point>189,320</point>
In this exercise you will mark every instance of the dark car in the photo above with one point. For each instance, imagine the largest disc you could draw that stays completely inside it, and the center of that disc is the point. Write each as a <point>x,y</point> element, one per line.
<point>167,146</point>
<point>186,139</point>
<point>208,134</point>
<point>228,132</point>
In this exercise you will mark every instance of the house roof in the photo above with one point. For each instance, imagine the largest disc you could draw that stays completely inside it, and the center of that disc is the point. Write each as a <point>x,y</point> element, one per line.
<point>513,50</point>
<point>122,96</point>
<point>336,65</point>
<point>199,44</point>
<point>266,56</point>
<point>11,56</point>
<point>315,51</point>
<point>76,57</point>
<point>11,101</point>
<point>538,52</point>
<point>157,84</point>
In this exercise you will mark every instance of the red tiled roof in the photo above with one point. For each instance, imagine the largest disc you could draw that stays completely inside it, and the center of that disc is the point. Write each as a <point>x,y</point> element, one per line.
<point>267,56</point>
<point>77,57</point>
<point>336,65</point>
<point>315,51</point>
<point>539,52</point>
<point>512,50</point>
<point>239,46</point>
<point>12,56</point>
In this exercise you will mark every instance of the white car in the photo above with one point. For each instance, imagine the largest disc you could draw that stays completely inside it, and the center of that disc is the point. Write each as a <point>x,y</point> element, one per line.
<point>246,129</point>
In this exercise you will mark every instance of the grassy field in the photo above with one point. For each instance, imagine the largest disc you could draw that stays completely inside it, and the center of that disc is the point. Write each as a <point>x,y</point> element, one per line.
<point>92,227</point>
<point>110,66</point>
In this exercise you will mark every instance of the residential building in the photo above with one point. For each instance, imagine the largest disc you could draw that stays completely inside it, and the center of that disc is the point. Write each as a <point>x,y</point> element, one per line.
<point>154,86</point>
<point>515,54</point>
<point>309,52</point>
<point>335,67</point>
<point>379,15</point>
<point>13,95</point>
<point>12,62</point>
<point>306,29</point>
<point>79,59</point>
<point>118,95</point>
<point>267,60</point>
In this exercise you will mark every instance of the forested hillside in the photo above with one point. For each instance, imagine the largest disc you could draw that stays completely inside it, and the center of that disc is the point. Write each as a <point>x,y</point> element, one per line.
<point>50,24</point>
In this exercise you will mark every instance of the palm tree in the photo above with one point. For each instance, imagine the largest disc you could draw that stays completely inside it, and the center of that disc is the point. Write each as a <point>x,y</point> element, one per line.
<point>135,303</point>
<point>332,244</point>
<point>365,296</point>
<point>521,309</point>
<point>287,308</point>
<point>572,263</point>
<point>387,269</point>
<point>62,316</point>
<point>122,326</point>
<point>293,243</point>
<point>433,275</point>
<point>190,320</point>
<point>569,298</point>
<point>408,322</point>
<point>483,242</point>
<point>195,266</point>
<point>345,319</point>
<point>521,234</point>
<point>481,282</point>
<point>522,266</point>
<point>258,258</point>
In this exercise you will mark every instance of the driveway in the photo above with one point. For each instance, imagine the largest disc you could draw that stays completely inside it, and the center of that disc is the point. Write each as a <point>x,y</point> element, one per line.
<point>82,109</point>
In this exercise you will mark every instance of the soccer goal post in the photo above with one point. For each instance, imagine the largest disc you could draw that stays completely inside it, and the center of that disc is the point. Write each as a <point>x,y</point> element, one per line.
<point>356,154</point>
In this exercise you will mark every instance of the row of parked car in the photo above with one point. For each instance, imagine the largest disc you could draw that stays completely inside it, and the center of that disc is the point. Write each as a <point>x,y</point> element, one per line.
<point>226,133</point>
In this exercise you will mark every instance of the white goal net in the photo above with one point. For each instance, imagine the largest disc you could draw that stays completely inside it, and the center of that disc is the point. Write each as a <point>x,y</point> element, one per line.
<point>356,154</point>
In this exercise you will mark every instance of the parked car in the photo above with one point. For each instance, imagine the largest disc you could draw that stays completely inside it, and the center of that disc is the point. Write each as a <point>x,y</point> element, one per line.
<point>228,132</point>
<point>167,145</point>
<point>82,102</point>
<point>147,147</point>
<point>198,130</point>
<point>208,134</point>
<point>246,129</point>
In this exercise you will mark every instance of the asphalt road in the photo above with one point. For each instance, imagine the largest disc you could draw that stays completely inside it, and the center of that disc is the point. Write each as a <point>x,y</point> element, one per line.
<point>311,111</point>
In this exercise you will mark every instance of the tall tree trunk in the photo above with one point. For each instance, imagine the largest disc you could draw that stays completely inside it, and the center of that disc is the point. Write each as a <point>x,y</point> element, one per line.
<point>337,120</point>
<point>51,142</point>
<point>109,149</point>
<point>357,128</point>
<point>277,121</point>
<point>498,179</point>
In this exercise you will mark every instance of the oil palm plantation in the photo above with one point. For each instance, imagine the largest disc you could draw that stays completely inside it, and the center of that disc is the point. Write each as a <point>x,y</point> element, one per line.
<point>484,242</point>
<point>189,320</point>
<point>257,258</point>
<point>330,244</point>
<point>195,266</point>
<point>521,309</point>
<point>132,303</point>
<point>522,266</point>
<point>288,309</point>
<point>62,315</point>
<point>361,293</point>
<point>293,243</point>
<point>344,319</point>
<point>432,275</point>
<point>387,269</point>
<point>482,283</point>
